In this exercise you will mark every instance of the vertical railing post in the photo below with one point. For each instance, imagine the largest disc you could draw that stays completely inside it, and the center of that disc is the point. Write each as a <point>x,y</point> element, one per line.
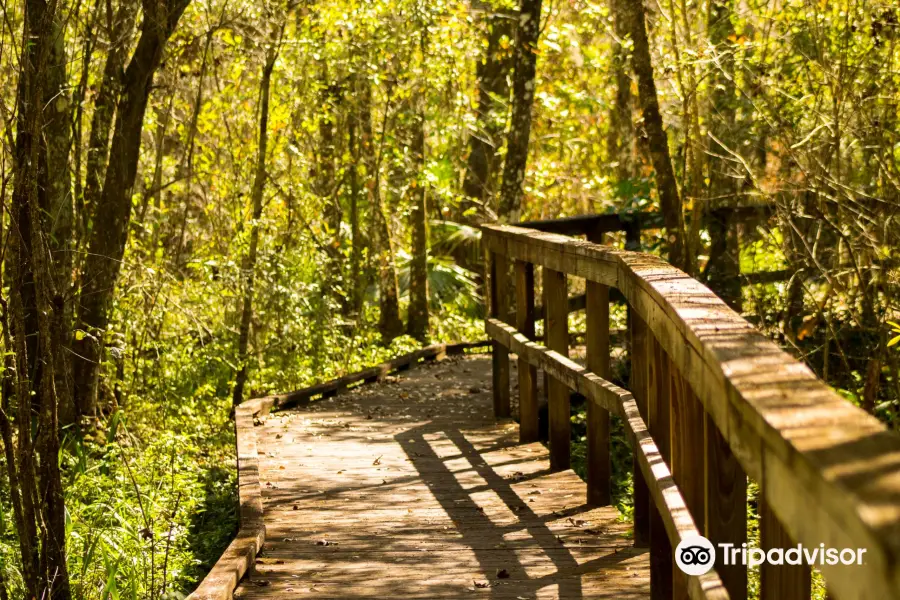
<point>658,420</point>
<point>556,314</point>
<point>726,506</point>
<point>528,400</point>
<point>598,459</point>
<point>500,354</point>
<point>639,388</point>
<point>688,455</point>
<point>779,582</point>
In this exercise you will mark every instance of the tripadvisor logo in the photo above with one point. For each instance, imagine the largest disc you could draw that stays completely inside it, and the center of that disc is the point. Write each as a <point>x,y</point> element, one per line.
<point>696,555</point>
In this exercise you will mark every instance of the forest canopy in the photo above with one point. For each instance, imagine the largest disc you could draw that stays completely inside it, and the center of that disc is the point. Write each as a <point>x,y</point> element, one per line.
<point>205,201</point>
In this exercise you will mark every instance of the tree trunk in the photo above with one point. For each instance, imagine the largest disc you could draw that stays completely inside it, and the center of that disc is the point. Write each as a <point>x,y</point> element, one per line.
<point>493,93</point>
<point>248,268</point>
<point>120,28</point>
<point>390,325</point>
<point>39,266</point>
<point>620,139</point>
<point>417,322</point>
<point>723,268</point>
<point>527,35</point>
<point>666,185</point>
<point>112,215</point>
<point>357,280</point>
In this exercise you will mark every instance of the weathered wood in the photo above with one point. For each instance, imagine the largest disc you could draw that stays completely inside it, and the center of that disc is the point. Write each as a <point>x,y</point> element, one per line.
<point>557,366</point>
<point>639,383</point>
<point>635,221</point>
<point>528,399</point>
<point>240,555</point>
<point>676,521</point>
<point>726,506</point>
<point>599,470</point>
<point>413,490</point>
<point>809,447</point>
<point>779,582</point>
<point>557,333</point>
<point>662,578</point>
<point>500,309</point>
<point>688,454</point>
<point>597,224</point>
<point>672,510</point>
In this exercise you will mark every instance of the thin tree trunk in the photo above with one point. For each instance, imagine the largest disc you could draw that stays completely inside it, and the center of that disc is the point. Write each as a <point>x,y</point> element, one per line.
<point>667,187</point>
<point>723,268</point>
<point>493,93</point>
<point>357,281</point>
<point>417,322</point>
<point>112,214</point>
<point>390,325</point>
<point>512,189</point>
<point>620,140</point>
<point>249,264</point>
<point>120,28</point>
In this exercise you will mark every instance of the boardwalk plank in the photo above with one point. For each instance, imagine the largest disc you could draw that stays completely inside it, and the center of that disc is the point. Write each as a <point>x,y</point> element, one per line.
<point>412,487</point>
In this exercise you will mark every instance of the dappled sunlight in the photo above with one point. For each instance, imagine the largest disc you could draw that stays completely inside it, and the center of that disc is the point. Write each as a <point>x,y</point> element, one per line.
<point>428,499</point>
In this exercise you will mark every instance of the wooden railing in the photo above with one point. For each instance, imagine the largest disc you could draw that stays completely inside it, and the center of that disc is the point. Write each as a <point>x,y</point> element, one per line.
<point>712,401</point>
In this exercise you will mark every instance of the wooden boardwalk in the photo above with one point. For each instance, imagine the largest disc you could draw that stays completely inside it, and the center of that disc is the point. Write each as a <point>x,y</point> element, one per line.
<point>412,489</point>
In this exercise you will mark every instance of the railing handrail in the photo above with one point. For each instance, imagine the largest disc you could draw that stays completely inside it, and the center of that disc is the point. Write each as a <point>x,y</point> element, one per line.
<point>829,471</point>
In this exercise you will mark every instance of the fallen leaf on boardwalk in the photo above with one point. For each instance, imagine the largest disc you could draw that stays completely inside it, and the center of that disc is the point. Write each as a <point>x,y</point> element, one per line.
<point>502,574</point>
<point>377,461</point>
<point>295,507</point>
<point>576,522</point>
<point>481,584</point>
<point>326,543</point>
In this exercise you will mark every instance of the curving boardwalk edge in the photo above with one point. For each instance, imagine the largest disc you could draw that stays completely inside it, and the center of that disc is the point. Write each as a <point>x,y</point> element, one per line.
<point>240,555</point>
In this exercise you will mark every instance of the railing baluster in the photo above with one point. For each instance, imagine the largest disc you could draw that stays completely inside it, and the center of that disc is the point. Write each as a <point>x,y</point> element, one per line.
<point>639,357</point>
<point>557,334</point>
<point>528,401</point>
<point>658,406</point>
<point>687,455</point>
<point>779,582</point>
<point>598,459</point>
<point>500,354</point>
<point>726,506</point>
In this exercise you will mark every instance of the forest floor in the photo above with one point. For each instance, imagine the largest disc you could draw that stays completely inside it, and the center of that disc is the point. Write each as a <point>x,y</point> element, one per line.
<point>412,487</point>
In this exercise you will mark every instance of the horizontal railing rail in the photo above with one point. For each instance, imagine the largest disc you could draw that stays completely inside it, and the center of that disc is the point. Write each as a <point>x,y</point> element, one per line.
<point>711,402</point>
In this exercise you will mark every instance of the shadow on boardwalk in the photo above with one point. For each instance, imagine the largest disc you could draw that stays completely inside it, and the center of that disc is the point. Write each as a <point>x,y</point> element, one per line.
<point>412,489</point>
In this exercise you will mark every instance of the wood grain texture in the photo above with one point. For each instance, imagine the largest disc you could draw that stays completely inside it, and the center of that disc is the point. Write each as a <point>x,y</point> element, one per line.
<point>780,582</point>
<point>830,471</point>
<point>557,334</point>
<point>412,489</point>
<point>599,470</point>
<point>726,505</point>
<point>240,555</point>
<point>639,383</point>
<point>528,379</point>
<point>664,583</point>
<point>676,521</point>
<point>499,307</point>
